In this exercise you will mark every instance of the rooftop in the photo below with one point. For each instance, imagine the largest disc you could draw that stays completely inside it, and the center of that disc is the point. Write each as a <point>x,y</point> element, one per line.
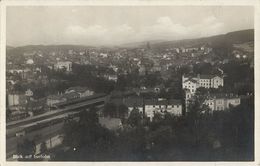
<point>138,102</point>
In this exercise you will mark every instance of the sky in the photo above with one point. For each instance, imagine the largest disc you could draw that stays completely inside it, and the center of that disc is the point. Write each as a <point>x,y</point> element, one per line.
<point>115,25</point>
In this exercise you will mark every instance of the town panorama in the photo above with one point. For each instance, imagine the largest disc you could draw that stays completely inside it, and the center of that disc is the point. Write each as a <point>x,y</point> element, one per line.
<point>174,100</point>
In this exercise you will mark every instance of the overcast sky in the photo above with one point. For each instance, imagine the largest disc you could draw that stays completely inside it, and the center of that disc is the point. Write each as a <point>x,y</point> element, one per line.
<point>116,25</point>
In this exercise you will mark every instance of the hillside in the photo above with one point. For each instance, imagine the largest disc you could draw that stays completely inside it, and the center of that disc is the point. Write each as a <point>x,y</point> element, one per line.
<point>44,48</point>
<point>237,37</point>
<point>218,41</point>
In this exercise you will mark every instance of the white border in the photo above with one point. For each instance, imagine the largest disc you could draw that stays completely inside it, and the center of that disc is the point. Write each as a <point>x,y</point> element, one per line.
<point>6,3</point>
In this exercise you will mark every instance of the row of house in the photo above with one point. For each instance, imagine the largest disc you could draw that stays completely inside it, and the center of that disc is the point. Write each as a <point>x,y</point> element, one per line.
<point>221,102</point>
<point>63,65</point>
<point>17,101</point>
<point>70,94</point>
<point>151,106</point>
<point>191,83</point>
<point>216,102</point>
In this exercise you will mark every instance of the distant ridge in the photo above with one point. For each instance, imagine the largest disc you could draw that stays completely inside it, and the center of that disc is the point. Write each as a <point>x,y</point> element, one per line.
<point>235,37</point>
<point>230,38</point>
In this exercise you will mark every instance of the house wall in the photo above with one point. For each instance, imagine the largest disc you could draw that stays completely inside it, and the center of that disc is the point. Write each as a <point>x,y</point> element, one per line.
<point>222,103</point>
<point>206,83</point>
<point>86,93</point>
<point>233,101</point>
<point>216,82</point>
<point>15,99</point>
<point>151,109</point>
<point>66,65</point>
<point>175,109</point>
<point>51,102</point>
<point>190,85</point>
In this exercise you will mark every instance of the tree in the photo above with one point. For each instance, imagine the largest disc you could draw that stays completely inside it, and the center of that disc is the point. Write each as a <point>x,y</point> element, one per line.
<point>158,117</point>
<point>26,147</point>
<point>110,110</point>
<point>43,147</point>
<point>89,117</point>
<point>135,118</point>
<point>8,114</point>
<point>122,111</point>
<point>197,110</point>
<point>87,139</point>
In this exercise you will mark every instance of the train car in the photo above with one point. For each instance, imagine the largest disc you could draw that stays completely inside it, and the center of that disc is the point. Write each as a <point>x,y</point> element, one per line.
<point>37,126</point>
<point>80,100</point>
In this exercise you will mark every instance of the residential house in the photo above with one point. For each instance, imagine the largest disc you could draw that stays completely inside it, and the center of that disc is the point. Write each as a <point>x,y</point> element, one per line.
<point>216,102</point>
<point>55,99</point>
<point>15,99</point>
<point>207,81</point>
<point>71,96</point>
<point>82,91</point>
<point>222,102</point>
<point>111,77</point>
<point>151,106</point>
<point>63,65</point>
<point>30,62</point>
<point>191,85</point>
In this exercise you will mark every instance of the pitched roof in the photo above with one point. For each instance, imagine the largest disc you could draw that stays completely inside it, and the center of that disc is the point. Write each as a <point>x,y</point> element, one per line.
<point>191,80</point>
<point>133,102</point>
<point>71,95</point>
<point>55,97</point>
<point>77,89</point>
<point>138,102</point>
<point>205,76</point>
<point>223,95</point>
<point>174,102</point>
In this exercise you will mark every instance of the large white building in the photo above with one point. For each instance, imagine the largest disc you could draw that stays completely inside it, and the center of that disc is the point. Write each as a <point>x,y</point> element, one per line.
<point>222,102</point>
<point>15,99</point>
<point>207,81</point>
<point>152,106</point>
<point>216,102</point>
<point>191,84</point>
<point>67,65</point>
<point>82,91</point>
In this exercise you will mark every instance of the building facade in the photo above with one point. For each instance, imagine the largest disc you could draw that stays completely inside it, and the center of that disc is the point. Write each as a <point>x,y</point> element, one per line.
<point>222,102</point>
<point>151,106</point>
<point>67,65</point>
<point>206,81</point>
<point>216,102</point>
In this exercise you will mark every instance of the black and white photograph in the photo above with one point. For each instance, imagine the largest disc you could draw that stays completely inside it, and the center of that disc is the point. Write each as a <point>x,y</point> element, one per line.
<point>130,83</point>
